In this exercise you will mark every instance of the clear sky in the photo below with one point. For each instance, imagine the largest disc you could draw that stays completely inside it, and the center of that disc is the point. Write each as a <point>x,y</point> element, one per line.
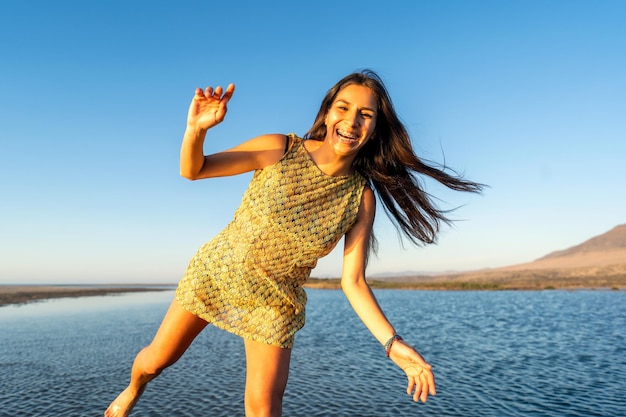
<point>528,97</point>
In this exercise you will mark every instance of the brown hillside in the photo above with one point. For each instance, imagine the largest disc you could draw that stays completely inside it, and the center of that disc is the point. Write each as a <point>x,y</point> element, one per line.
<point>603,250</point>
<point>614,239</point>
<point>577,260</point>
<point>599,262</point>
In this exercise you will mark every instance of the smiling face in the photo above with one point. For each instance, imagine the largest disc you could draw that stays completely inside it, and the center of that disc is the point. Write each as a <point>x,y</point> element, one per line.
<point>351,119</point>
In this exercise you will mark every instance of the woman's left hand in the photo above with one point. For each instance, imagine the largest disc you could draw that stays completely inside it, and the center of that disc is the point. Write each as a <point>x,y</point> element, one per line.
<point>421,380</point>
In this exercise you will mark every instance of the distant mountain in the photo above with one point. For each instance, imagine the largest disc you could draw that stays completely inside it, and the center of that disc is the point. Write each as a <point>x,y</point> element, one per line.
<point>599,262</point>
<point>611,240</point>
<point>600,251</point>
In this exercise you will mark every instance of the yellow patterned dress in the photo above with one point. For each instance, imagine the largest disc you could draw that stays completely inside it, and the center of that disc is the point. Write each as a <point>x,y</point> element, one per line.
<point>248,280</point>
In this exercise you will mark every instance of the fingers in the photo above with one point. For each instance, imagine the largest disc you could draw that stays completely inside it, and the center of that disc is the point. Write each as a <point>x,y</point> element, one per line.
<point>216,93</point>
<point>414,388</point>
<point>422,385</point>
<point>229,92</point>
<point>410,386</point>
<point>431,383</point>
<point>419,388</point>
<point>425,387</point>
<point>421,381</point>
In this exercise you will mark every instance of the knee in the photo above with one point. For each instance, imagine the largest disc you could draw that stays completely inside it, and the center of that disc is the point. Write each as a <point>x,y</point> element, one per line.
<point>261,403</point>
<point>150,363</point>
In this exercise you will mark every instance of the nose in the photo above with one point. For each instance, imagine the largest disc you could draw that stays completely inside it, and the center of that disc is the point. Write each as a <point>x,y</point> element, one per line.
<point>354,117</point>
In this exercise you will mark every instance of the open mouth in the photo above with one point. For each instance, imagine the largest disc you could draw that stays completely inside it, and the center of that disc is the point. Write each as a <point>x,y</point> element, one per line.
<point>347,137</point>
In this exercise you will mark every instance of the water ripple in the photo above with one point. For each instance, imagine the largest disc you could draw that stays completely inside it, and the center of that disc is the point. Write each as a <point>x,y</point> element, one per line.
<point>497,354</point>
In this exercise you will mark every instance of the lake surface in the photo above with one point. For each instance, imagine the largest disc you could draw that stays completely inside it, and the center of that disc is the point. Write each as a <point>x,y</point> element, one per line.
<point>548,353</point>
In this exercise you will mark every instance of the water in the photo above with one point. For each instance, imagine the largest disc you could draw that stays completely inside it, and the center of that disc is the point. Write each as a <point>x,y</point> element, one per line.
<point>551,353</point>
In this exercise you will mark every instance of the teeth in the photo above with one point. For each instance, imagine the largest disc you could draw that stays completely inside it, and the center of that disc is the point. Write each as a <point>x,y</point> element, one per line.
<point>347,135</point>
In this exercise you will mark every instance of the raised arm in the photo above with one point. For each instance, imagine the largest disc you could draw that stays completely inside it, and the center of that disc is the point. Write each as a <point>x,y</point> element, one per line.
<point>421,380</point>
<point>207,109</point>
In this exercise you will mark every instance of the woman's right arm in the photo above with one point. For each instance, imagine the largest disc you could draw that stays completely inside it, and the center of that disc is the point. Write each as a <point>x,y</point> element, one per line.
<point>207,109</point>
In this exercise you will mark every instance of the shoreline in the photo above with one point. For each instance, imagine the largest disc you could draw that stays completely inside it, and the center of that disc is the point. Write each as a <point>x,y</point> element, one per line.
<point>18,294</point>
<point>24,294</point>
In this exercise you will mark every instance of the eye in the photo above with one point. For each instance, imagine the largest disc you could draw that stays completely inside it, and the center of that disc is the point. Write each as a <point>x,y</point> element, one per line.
<point>367,115</point>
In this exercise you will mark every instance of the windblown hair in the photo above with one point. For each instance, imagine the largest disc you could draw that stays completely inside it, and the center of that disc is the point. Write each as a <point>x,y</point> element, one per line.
<point>392,168</point>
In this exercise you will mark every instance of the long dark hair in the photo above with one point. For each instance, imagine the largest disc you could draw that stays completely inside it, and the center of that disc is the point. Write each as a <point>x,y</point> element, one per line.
<point>391,166</point>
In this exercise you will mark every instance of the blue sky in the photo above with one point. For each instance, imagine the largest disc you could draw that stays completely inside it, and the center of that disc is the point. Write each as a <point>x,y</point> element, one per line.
<point>527,97</point>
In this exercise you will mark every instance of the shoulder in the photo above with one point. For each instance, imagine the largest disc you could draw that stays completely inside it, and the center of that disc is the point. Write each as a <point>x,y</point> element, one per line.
<point>369,198</point>
<point>362,227</point>
<point>367,208</point>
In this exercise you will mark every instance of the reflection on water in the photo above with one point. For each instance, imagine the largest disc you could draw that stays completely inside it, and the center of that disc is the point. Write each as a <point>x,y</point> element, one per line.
<point>83,305</point>
<point>551,353</point>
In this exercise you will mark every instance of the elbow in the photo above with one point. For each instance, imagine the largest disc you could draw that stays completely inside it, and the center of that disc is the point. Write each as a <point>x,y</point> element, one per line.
<point>189,173</point>
<point>351,285</point>
<point>191,170</point>
<point>346,288</point>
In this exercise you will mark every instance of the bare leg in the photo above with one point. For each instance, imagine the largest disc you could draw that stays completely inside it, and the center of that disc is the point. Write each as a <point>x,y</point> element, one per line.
<point>267,370</point>
<point>178,329</point>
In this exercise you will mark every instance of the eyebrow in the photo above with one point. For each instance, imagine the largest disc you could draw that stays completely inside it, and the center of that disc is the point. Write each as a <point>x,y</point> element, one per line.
<point>347,102</point>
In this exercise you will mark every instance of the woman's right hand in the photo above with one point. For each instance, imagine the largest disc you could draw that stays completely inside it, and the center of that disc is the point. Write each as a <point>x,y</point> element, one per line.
<point>208,108</point>
<point>421,380</point>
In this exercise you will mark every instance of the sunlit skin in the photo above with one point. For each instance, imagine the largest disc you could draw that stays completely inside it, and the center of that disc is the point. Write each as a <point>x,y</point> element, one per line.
<point>350,123</point>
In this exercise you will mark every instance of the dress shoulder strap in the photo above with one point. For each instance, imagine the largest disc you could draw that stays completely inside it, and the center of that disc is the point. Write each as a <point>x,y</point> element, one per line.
<point>291,140</point>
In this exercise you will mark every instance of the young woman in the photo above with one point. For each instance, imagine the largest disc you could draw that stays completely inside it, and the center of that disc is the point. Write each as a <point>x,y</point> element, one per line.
<point>306,194</point>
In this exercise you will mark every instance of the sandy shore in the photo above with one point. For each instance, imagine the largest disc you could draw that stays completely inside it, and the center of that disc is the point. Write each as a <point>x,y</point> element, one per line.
<point>21,294</point>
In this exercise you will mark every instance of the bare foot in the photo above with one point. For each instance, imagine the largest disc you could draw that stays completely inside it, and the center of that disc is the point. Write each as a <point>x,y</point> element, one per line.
<point>124,403</point>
